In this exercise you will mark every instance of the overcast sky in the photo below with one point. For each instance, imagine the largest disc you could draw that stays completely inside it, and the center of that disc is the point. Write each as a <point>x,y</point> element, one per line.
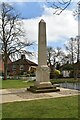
<point>59,28</point>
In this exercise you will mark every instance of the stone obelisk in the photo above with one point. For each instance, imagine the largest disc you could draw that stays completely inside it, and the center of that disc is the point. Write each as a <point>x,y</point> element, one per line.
<point>42,73</point>
<point>42,83</point>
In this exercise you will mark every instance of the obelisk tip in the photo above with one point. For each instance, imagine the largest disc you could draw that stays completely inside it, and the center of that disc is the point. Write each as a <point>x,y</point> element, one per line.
<point>42,20</point>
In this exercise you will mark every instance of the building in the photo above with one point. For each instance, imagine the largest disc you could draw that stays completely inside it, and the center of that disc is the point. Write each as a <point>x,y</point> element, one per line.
<point>71,70</point>
<point>21,66</point>
<point>77,69</point>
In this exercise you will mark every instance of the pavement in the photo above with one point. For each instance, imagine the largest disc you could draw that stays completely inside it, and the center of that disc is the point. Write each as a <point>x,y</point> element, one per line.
<point>12,95</point>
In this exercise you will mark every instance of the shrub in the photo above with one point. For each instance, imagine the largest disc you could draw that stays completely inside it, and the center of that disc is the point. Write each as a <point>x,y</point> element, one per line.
<point>71,74</point>
<point>55,74</point>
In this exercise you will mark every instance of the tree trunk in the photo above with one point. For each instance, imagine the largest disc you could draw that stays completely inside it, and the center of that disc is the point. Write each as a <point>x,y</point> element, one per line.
<point>75,75</point>
<point>76,72</point>
<point>78,54</point>
<point>5,68</point>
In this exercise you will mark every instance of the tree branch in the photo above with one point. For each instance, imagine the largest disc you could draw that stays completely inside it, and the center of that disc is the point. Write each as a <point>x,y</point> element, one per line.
<point>60,6</point>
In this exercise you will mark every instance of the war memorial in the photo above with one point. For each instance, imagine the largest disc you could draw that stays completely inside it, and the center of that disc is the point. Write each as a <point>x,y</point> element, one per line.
<point>42,83</point>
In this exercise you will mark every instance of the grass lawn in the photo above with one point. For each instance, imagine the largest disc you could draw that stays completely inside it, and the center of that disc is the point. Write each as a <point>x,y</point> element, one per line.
<point>63,80</point>
<point>15,83</point>
<point>22,84</point>
<point>66,107</point>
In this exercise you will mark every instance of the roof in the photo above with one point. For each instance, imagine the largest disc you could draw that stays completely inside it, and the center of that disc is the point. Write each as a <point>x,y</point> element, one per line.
<point>70,66</point>
<point>24,61</point>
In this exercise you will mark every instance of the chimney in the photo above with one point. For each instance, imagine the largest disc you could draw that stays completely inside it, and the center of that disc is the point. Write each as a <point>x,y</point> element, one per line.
<point>23,57</point>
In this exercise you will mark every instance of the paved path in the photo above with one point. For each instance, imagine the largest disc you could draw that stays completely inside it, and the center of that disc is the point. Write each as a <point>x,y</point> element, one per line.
<point>12,95</point>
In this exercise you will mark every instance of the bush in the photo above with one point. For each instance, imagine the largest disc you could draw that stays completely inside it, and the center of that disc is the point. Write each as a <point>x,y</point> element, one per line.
<point>51,75</point>
<point>61,75</point>
<point>71,74</point>
<point>55,74</point>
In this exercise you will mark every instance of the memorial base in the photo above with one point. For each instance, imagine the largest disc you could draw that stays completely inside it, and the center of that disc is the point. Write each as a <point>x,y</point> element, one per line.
<point>43,87</point>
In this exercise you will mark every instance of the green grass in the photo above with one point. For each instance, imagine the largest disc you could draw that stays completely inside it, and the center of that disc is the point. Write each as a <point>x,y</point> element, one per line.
<point>22,84</point>
<point>63,80</point>
<point>66,107</point>
<point>0,83</point>
<point>15,84</point>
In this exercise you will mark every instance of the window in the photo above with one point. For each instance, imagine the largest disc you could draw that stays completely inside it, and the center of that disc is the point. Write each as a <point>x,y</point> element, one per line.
<point>21,67</point>
<point>14,67</point>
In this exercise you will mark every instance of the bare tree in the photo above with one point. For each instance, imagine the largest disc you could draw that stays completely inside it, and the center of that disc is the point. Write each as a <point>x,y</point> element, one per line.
<point>59,5</point>
<point>50,52</point>
<point>11,34</point>
<point>70,47</point>
<point>77,48</point>
<point>77,51</point>
<point>54,56</point>
<point>66,59</point>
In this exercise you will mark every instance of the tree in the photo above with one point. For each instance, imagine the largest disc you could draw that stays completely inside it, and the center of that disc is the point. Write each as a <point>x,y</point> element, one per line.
<point>77,51</point>
<point>11,34</point>
<point>59,55</point>
<point>66,59</point>
<point>73,48</point>
<point>50,52</point>
<point>70,47</point>
<point>59,5</point>
<point>77,48</point>
<point>54,56</point>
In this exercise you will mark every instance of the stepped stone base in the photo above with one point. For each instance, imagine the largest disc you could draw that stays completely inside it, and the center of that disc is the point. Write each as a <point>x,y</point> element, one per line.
<point>43,88</point>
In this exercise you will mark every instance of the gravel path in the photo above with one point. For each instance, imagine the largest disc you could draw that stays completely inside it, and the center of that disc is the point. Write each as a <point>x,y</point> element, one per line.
<point>12,95</point>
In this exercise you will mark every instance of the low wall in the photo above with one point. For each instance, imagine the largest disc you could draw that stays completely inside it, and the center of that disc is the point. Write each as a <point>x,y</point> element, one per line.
<point>22,78</point>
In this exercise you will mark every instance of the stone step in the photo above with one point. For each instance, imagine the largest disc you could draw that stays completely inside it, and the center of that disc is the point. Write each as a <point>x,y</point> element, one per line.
<point>43,90</point>
<point>38,88</point>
